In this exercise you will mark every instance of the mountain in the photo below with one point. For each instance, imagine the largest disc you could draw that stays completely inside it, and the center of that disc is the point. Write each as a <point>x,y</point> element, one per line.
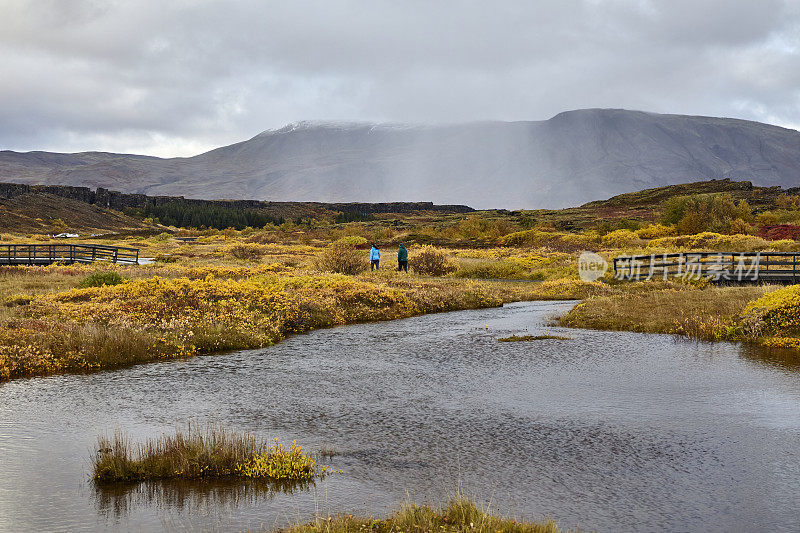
<point>572,158</point>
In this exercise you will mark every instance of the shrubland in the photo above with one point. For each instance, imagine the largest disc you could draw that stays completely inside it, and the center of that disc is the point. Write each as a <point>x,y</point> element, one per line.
<point>232,289</point>
<point>174,311</point>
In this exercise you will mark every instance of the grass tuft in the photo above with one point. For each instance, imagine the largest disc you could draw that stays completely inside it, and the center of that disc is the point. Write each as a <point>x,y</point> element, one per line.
<point>201,453</point>
<point>460,515</point>
<point>525,338</point>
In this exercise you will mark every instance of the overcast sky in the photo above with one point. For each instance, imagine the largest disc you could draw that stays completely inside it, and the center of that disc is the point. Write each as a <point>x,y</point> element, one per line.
<point>174,78</point>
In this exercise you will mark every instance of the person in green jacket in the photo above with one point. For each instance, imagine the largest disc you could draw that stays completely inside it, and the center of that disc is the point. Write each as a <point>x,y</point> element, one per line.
<point>402,258</point>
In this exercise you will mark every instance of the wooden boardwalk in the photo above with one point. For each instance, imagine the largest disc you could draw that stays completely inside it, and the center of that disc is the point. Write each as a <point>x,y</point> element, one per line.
<point>47,254</point>
<point>725,267</point>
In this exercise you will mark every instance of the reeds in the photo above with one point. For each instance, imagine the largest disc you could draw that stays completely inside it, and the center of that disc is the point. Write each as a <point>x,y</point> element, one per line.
<point>526,338</point>
<point>201,453</point>
<point>460,515</point>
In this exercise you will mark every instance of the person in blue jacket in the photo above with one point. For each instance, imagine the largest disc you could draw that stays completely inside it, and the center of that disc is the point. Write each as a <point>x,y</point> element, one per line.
<point>375,258</point>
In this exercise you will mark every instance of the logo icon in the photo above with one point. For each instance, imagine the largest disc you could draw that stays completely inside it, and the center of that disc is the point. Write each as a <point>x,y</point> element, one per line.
<point>591,266</point>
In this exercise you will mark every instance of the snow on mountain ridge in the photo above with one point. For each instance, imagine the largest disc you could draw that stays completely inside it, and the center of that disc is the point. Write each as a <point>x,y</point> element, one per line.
<point>572,158</point>
<point>307,125</point>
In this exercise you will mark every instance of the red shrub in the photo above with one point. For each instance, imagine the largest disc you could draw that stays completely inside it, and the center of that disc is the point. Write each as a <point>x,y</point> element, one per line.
<point>779,232</point>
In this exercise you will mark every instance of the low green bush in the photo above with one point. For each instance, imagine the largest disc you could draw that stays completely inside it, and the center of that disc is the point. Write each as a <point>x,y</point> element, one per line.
<point>98,279</point>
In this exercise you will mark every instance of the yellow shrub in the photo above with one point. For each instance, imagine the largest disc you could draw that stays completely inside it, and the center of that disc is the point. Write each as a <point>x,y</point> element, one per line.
<point>767,218</point>
<point>784,245</point>
<point>781,342</point>
<point>779,310</point>
<point>680,241</point>
<point>551,239</point>
<point>716,242</point>
<point>727,243</point>
<point>739,226</point>
<point>277,463</point>
<point>247,251</point>
<point>655,231</point>
<point>619,238</point>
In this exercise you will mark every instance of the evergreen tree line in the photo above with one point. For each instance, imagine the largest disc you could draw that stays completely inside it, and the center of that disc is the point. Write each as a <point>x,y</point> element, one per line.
<point>353,216</point>
<point>185,215</point>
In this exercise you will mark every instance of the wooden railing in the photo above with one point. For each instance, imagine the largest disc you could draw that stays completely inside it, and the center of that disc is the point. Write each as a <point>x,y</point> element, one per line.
<point>45,254</point>
<point>781,267</point>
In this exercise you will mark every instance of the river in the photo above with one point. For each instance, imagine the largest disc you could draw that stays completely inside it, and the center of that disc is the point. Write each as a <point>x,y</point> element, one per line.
<point>607,431</point>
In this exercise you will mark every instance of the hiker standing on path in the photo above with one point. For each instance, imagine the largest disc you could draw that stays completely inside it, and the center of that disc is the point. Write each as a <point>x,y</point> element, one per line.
<point>375,258</point>
<point>402,258</point>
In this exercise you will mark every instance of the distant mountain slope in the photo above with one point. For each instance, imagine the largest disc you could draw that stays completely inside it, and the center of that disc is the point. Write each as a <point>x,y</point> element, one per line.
<point>572,158</point>
<point>46,213</point>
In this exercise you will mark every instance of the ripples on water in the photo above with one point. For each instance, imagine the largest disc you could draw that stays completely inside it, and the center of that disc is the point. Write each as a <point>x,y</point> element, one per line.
<point>609,431</point>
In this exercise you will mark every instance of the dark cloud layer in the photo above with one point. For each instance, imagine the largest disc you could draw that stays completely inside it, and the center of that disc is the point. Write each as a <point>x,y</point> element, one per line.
<point>178,77</point>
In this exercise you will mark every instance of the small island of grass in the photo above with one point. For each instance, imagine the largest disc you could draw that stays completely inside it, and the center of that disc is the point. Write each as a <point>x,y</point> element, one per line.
<point>210,453</point>
<point>525,338</point>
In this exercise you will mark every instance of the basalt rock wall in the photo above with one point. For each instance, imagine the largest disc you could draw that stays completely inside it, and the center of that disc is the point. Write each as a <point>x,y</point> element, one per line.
<point>118,200</point>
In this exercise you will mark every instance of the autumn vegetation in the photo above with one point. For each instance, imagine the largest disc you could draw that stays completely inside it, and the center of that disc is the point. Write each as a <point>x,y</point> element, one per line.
<point>460,514</point>
<point>210,453</point>
<point>251,287</point>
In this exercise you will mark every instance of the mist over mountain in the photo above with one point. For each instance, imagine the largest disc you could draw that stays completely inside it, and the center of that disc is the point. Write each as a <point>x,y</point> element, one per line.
<point>570,159</point>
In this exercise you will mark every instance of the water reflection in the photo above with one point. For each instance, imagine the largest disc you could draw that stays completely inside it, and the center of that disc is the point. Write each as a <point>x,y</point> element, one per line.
<point>609,431</point>
<point>775,357</point>
<point>116,501</point>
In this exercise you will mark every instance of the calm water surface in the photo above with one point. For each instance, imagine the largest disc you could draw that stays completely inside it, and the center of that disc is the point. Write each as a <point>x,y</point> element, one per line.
<point>606,431</point>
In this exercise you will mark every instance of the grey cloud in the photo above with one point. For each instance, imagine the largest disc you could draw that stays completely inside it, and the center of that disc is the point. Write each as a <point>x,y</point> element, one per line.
<point>159,76</point>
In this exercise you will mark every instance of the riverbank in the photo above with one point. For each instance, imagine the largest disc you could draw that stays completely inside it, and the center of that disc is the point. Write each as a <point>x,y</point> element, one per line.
<point>596,422</point>
<point>183,311</point>
<point>761,314</point>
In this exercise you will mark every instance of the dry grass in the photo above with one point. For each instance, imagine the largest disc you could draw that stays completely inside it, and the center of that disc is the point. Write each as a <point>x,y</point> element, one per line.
<point>460,515</point>
<point>701,313</point>
<point>16,281</point>
<point>195,453</point>
<point>526,338</point>
<point>491,270</point>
